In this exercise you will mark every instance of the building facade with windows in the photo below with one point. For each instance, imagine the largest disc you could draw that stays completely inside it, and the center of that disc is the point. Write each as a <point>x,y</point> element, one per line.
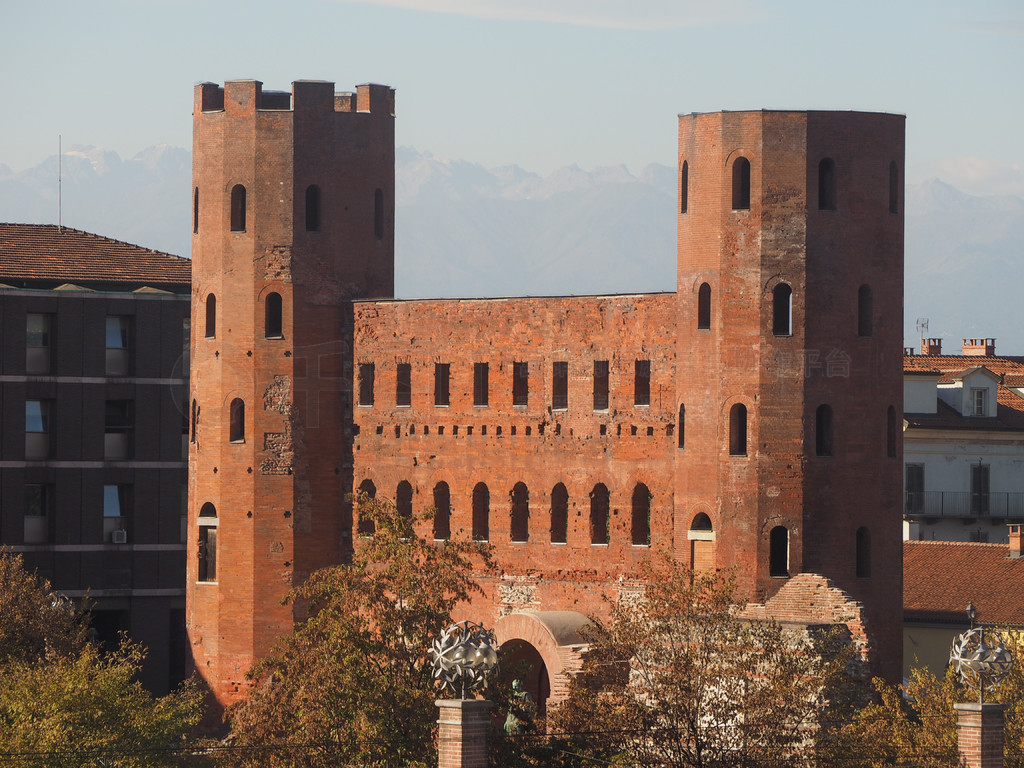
<point>747,422</point>
<point>963,442</point>
<point>92,454</point>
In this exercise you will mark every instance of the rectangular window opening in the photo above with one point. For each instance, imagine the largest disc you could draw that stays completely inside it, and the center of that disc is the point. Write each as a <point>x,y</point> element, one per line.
<point>442,372</point>
<point>520,384</point>
<point>366,376</point>
<point>560,385</point>
<point>403,384</point>
<point>600,385</point>
<point>642,383</point>
<point>480,384</point>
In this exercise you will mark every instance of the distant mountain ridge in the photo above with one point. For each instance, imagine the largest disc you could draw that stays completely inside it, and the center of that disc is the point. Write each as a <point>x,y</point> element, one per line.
<point>465,230</point>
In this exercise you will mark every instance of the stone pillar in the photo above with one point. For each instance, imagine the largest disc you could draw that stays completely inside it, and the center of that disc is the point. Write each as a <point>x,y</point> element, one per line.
<point>979,730</point>
<point>462,733</point>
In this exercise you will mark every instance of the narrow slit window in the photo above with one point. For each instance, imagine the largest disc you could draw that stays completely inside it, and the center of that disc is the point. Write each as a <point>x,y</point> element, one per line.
<point>865,308</point>
<point>738,430</point>
<point>237,417</point>
<point>778,555</point>
<point>642,382</point>
<point>684,186</point>
<point>481,384</point>
<point>599,521</point>
<point>195,419</point>
<point>741,184</point>
<point>211,316</point>
<point>520,522</point>
<point>378,214</point>
<point>600,385</point>
<point>520,383</point>
<point>442,512</point>
<point>782,310</point>
<point>366,376</point>
<point>238,208</point>
<point>823,431</point>
<point>704,307</point>
<point>560,385</point>
<point>365,525</point>
<point>682,425</point>
<point>641,517</point>
<point>559,514</point>
<point>272,316</point>
<point>442,371</point>
<point>312,208</point>
<point>827,184</point>
<point>403,384</point>
<point>481,512</point>
<point>195,210</point>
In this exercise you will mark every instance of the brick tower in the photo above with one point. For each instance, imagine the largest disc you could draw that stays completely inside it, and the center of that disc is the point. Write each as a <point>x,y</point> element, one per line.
<point>790,284</point>
<point>293,216</point>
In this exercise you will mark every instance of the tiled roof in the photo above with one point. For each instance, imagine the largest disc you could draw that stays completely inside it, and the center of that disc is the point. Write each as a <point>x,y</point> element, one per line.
<point>43,255</point>
<point>1009,405</point>
<point>941,577</point>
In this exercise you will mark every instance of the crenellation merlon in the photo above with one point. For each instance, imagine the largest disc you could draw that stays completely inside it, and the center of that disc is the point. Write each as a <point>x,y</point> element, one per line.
<point>307,96</point>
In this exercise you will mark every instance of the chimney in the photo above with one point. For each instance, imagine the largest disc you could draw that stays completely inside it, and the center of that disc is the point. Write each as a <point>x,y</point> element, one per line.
<point>1014,541</point>
<point>931,347</point>
<point>979,347</point>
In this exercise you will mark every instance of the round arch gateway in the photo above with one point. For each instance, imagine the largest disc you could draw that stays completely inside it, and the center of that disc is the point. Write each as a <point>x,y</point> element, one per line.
<point>549,645</point>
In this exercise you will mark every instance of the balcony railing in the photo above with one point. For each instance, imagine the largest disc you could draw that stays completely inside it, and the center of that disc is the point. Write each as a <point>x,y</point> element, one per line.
<point>964,504</point>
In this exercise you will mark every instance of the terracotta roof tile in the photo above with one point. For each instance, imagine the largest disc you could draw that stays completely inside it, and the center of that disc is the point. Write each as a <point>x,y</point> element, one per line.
<point>941,577</point>
<point>43,255</point>
<point>1009,405</point>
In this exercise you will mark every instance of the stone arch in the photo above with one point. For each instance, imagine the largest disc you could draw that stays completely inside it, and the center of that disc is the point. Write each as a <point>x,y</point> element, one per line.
<point>555,638</point>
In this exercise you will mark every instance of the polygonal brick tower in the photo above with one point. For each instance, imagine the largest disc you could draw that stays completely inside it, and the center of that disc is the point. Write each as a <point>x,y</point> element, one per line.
<point>790,285</point>
<point>293,216</point>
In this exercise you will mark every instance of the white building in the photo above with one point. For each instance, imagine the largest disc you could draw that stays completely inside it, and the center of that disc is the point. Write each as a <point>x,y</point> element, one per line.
<point>963,443</point>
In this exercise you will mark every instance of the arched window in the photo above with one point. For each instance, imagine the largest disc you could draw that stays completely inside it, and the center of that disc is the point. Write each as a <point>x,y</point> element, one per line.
<point>442,512</point>
<point>891,432</point>
<point>682,425</point>
<point>894,188</point>
<point>704,307</point>
<point>738,430</point>
<point>702,544</point>
<point>207,570</point>
<point>823,431</point>
<point>312,208</point>
<point>641,521</point>
<point>272,316</point>
<point>195,210</point>
<point>827,185</point>
<point>211,316</point>
<point>684,185</point>
<point>378,214</point>
<point>238,208</point>
<point>481,512</point>
<point>237,421</point>
<point>403,500</point>
<point>864,310</point>
<point>366,525</point>
<point>559,514</point>
<point>778,556</point>
<point>741,184</point>
<point>782,310</point>
<point>599,522</point>
<point>195,418</point>
<point>520,527</point>
<point>863,553</point>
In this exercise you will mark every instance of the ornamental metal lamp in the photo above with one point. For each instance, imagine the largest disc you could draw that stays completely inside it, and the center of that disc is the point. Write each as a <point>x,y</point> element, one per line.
<point>979,656</point>
<point>463,655</point>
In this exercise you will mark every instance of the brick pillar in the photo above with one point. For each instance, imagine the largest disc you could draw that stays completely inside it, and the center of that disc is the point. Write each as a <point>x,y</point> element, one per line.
<point>979,729</point>
<point>462,733</point>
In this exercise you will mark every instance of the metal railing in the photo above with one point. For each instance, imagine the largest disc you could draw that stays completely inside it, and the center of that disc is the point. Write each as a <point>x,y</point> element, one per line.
<point>964,504</point>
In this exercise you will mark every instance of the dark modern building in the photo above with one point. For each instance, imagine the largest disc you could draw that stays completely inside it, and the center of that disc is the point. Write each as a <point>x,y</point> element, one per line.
<point>93,459</point>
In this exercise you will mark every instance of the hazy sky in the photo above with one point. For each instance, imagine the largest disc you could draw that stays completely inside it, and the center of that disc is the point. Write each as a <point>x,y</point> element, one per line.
<point>540,83</point>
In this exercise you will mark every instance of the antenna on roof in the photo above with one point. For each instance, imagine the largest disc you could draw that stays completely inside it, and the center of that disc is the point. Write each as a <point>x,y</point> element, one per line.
<point>922,327</point>
<point>59,169</point>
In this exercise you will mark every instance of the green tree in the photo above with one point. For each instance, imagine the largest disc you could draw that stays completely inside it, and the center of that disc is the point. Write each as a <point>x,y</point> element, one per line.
<point>678,678</point>
<point>354,683</point>
<point>64,701</point>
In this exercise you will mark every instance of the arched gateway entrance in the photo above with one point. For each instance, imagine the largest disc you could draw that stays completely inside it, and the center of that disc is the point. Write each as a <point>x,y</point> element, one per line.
<point>545,647</point>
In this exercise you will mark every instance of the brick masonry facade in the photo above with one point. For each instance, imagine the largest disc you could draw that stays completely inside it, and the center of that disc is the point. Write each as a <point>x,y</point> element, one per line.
<point>580,436</point>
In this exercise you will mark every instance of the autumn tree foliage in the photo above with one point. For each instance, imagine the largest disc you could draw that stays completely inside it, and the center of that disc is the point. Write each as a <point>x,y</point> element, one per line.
<point>67,701</point>
<point>677,678</point>
<point>354,685</point>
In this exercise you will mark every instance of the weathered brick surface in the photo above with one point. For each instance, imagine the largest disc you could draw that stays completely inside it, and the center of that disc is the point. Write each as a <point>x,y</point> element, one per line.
<point>311,438</point>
